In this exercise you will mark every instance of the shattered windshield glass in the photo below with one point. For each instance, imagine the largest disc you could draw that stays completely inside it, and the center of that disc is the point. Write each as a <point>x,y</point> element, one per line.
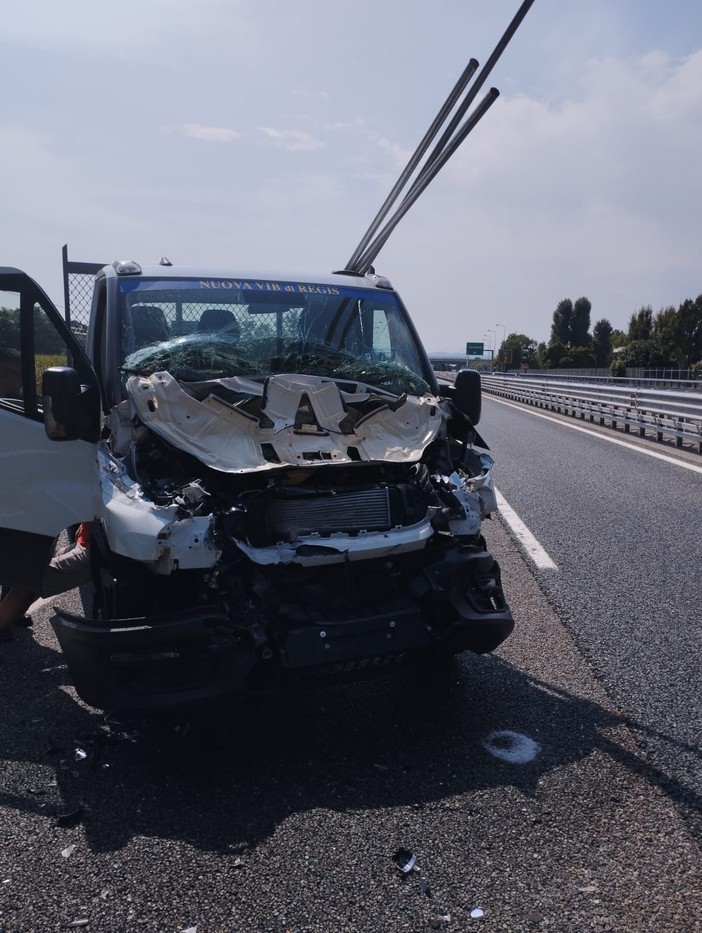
<point>212,329</point>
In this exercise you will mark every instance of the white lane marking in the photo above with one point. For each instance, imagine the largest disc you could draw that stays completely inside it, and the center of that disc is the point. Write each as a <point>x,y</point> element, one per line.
<point>612,440</point>
<point>513,747</point>
<point>534,550</point>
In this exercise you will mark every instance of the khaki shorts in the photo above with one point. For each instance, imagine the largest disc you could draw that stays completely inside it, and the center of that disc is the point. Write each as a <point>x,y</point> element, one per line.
<point>68,569</point>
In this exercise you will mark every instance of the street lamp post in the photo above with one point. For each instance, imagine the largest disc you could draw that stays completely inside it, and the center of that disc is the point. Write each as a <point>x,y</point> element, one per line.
<point>492,348</point>
<point>504,334</point>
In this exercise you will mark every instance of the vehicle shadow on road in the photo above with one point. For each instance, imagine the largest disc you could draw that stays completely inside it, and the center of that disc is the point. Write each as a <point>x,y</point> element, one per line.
<point>225,780</point>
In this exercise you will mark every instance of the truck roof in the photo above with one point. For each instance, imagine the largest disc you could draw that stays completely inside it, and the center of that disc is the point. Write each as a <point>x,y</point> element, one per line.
<point>162,271</point>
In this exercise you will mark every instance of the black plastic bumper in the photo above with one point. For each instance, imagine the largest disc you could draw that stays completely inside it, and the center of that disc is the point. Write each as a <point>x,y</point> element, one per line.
<point>183,659</point>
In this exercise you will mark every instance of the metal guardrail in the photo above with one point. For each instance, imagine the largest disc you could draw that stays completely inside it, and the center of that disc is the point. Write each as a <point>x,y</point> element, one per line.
<point>651,412</point>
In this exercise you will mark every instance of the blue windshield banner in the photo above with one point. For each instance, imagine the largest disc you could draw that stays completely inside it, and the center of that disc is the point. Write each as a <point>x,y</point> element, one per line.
<point>257,286</point>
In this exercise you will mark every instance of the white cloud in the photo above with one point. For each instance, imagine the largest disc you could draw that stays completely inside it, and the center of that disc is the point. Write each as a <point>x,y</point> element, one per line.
<point>291,139</point>
<point>399,155</point>
<point>311,95</point>
<point>211,134</point>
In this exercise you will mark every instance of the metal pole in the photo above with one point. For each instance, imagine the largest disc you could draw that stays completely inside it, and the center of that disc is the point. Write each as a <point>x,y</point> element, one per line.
<point>360,261</point>
<point>448,105</point>
<point>421,183</point>
<point>66,292</point>
<point>479,81</point>
<point>504,334</point>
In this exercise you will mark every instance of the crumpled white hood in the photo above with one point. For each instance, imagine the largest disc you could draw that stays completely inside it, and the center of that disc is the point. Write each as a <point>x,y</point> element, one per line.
<point>226,438</point>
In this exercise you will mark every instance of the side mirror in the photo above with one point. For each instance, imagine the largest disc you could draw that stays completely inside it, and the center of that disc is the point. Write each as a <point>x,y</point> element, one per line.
<point>71,410</point>
<point>467,394</point>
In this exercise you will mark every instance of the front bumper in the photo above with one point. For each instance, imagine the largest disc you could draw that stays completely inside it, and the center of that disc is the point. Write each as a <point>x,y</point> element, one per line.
<point>184,659</point>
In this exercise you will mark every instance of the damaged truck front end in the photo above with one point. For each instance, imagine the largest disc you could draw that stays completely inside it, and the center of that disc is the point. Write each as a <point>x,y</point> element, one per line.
<point>287,495</point>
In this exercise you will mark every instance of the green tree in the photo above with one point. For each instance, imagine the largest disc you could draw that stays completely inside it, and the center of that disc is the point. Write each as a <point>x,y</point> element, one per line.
<point>562,322</point>
<point>555,352</point>
<point>602,342</point>
<point>524,350</point>
<point>641,324</point>
<point>690,332</point>
<point>9,328</point>
<point>619,338</point>
<point>46,337</point>
<point>578,358</point>
<point>666,330</point>
<point>643,353</point>
<point>580,323</point>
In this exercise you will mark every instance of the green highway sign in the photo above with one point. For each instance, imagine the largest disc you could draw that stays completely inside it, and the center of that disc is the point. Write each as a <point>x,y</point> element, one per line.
<point>474,349</point>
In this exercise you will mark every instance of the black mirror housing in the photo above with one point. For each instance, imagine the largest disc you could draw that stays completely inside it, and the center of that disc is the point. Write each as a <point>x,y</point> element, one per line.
<point>71,410</point>
<point>467,394</point>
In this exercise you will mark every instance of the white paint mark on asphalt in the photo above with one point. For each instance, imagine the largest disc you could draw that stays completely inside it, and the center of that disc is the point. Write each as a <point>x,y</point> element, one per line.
<point>612,440</point>
<point>512,747</point>
<point>527,540</point>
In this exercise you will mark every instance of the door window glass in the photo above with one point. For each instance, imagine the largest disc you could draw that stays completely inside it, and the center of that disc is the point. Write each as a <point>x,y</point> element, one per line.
<point>49,347</point>
<point>29,344</point>
<point>10,357</point>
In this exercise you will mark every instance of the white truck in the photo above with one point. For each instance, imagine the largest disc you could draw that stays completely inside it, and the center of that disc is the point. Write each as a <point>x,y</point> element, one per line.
<point>279,488</point>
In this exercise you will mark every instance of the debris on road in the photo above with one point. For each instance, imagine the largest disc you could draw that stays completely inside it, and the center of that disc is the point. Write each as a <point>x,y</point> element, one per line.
<point>512,747</point>
<point>405,861</point>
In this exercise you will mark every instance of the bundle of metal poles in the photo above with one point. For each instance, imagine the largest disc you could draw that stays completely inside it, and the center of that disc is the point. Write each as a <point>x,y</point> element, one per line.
<point>417,174</point>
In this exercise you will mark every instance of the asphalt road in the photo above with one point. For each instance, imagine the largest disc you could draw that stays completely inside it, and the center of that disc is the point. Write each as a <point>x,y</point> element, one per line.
<point>625,530</point>
<point>285,815</point>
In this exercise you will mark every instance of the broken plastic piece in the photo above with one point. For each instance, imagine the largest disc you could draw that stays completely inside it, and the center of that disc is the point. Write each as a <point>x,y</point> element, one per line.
<point>405,860</point>
<point>81,754</point>
<point>476,913</point>
<point>68,851</point>
<point>424,885</point>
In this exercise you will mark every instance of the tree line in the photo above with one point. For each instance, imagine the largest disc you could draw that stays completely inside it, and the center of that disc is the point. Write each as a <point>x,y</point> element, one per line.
<point>46,337</point>
<point>671,338</point>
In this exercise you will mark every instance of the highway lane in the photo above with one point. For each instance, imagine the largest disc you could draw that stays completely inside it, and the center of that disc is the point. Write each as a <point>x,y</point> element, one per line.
<point>625,532</point>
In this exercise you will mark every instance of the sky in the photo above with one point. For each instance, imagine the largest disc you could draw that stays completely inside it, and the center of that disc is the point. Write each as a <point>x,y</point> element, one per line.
<point>264,135</point>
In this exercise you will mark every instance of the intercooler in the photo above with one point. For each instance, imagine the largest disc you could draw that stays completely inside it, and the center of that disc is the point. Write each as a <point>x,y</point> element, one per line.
<point>350,512</point>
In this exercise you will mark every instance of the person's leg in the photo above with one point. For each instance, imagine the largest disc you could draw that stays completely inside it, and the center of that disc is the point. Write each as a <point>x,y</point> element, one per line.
<point>67,570</point>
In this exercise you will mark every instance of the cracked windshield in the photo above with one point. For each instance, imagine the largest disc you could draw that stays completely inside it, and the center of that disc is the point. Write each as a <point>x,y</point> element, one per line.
<point>200,330</point>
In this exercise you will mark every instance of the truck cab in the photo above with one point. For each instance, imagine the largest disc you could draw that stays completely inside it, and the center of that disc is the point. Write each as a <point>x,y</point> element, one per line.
<point>280,489</point>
